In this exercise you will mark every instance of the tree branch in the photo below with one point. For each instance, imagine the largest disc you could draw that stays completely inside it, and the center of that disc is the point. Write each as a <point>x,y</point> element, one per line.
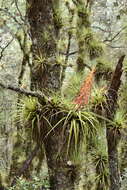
<point>10,15</point>
<point>4,48</point>
<point>113,38</point>
<point>99,28</point>
<point>21,16</point>
<point>38,95</point>
<point>112,94</point>
<point>68,54</point>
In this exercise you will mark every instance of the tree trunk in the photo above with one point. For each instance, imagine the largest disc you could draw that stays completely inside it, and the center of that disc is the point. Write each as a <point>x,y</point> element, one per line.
<point>45,72</point>
<point>45,75</point>
<point>82,25</point>
<point>61,174</point>
<point>113,160</point>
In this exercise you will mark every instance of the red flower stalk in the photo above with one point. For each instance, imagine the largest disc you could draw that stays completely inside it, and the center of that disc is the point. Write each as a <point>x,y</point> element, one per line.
<point>85,91</point>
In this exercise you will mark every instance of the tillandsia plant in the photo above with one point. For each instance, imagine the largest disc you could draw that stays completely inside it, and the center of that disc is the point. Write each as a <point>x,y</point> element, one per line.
<point>117,126</point>
<point>35,184</point>
<point>95,50</point>
<point>98,99</point>
<point>44,120</point>
<point>100,159</point>
<point>103,70</point>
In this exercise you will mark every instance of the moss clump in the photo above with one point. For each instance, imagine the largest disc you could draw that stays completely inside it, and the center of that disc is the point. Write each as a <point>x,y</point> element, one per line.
<point>103,70</point>
<point>101,163</point>
<point>29,108</point>
<point>85,36</point>
<point>83,15</point>
<point>88,37</point>
<point>95,50</point>
<point>98,100</point>
<point>57,19</point>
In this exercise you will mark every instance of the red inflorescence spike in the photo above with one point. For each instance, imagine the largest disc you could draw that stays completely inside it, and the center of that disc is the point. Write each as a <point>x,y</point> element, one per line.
<point>85,91</point>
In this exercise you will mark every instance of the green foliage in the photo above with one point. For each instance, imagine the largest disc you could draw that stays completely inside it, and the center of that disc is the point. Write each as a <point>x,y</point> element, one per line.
<point>83,125</point>
<point>101,164</point>
<point>103,69</point>
<point>88,36</point>
<point>98,100</point>
<point>83,15</point>
<point>39,59</point>
<point>71,89</point>
<point>34,184</point>
<point>57,19</point>
<point>28,116</point>
<point>120,120</point>
<point>95,50</point>
<point>62,115</point>
<point>27,109</point>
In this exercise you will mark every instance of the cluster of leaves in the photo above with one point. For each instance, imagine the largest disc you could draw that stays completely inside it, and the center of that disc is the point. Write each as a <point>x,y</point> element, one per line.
<point>58,115</point>
<point>34,184</point>
<point>101,164</point>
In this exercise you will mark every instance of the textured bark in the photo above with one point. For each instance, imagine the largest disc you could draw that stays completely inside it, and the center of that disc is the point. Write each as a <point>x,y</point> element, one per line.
<point>44,34</point>
<point>45,75</point>
<point>113,134</point>
<point>62,175</point>
<point>82,25</point>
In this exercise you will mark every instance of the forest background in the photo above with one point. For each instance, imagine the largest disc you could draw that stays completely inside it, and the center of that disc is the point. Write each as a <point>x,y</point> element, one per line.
<point>63,102</point>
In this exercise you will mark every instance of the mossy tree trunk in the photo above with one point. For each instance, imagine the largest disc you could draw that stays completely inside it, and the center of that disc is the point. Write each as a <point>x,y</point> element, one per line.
<point>45,76</point>
<point>83,24</point>
<point>61,174</point>
<point>44,23</point>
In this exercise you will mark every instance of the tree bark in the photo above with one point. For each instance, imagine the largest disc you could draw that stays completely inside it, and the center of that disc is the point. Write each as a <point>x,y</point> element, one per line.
<point>61,174</point>
<point>45,75</point>
<point>45,72</point>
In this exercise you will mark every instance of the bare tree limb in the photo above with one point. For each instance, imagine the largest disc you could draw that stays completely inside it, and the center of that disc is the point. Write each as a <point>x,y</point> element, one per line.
<point>117,34</point>
<point>116,47</point>
<point>113,134</point>
<point>38,95</point>
<point>21,16</point>
<point>68,54</point>
<point>99,28</point>
<point>10,15</point>
<point>4,48</point>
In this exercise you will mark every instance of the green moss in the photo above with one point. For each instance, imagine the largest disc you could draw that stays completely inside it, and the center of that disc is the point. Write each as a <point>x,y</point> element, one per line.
<point>88,37</point>
<point>120,120</point>
<point>95,50</point>
<point>101,164</point>
<point>57,19</point>
<point>98,99</point>
<point>103,69</point>
<point>85,36</point>
<point>83,15</point>
<point>29,108</point>
<point>71,89</point>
